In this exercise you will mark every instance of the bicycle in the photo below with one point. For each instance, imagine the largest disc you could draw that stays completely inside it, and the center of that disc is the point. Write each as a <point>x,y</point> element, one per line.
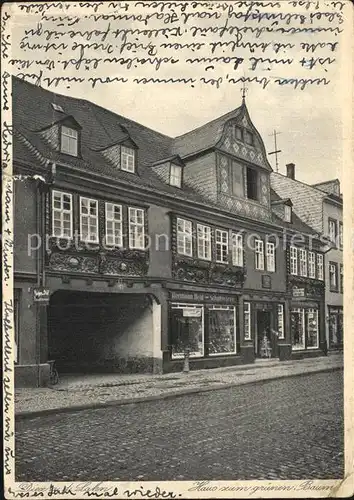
<point>53,373</point>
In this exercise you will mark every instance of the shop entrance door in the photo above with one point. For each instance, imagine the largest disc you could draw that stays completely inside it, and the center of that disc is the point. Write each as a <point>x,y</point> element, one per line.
<point>265,349</point>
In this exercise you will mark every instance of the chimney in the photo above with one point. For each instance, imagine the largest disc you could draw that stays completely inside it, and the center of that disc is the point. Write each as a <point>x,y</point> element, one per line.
<point>290,170</point>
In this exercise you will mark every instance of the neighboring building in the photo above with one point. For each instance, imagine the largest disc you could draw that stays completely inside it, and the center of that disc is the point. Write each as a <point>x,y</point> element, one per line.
<point>321,207</point>
<point>152,243</point>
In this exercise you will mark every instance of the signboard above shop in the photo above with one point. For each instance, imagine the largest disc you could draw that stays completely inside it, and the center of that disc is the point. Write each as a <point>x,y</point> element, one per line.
<point>298,292</point>
<point>41,295</point>
<point>192,313</point>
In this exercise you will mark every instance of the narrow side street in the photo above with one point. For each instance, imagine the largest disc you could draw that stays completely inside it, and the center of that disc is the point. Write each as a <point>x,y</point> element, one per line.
<point>282,429</point>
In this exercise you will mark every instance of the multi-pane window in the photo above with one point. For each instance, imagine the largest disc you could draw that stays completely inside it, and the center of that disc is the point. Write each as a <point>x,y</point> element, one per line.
<point>204,242</point>
<point>312,329</point>
<point>136,228</point>
<point>89,220</point>
<point>333,279</point>
<point>271,257</point>
<point>247,320</point>
<point>184,237</point>
<point>319,266</point>
<point>237,249</point>
<point>127,159</point>
<point>297,318</point>
<point>303,262</point>
<point>332,230</point>
<point>222,245</point>
<point>252,183</point>
<point>62,215</point>
<point>280,321</point>
<point>341,282</point>
<point>259,252</point>
<point>176,176</point>
<point>238,133</point>
<point>114,229</point>
<point>69,141</point>
<point>248,137</point>
<point>312,265</point>
<point>340,235</point>
<point>222,330</point>
<point>187,329</point>
<point>293,260</point>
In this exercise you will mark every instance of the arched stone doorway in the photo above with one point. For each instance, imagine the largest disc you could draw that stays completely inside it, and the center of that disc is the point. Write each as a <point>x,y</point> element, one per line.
<point>104,332</point>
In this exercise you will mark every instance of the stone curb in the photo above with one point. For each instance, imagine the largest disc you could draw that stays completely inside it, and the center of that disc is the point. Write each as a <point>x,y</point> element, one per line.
<point>173,394</point>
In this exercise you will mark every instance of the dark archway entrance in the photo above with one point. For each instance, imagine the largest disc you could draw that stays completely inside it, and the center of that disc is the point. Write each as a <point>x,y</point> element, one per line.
<point>100,332</point>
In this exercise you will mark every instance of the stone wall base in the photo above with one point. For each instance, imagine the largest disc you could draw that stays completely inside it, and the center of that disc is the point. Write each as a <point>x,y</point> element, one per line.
<point>32,375</point>
<point>176,365</point>
<point>284,352</point>
<point>134,364</point>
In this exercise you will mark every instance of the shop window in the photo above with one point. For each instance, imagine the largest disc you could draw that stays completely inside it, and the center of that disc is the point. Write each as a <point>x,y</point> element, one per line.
<point>136,228</point>
<point>237,249</point>
<point>312,328</point>
<point>303,262</point>
<point>312,265</point>
<point>89,220</point>
<point>247,320</point>
<point>297,319</point>
<point>333,277</point>
<point>252,183</point>
<point>335,324</point>
<point>184,237</point>
<point>187,327</point>
<point>204,242</point>
<point>222,330</point>
<point>127,159</point>
<point>69,141</point>
<point>319,266</point>
<point>62,214</point>
<point>271,257</point>
<point>293,261</point>
<point>259,253</point>
<point>222,245</point>
<point>280,321</point>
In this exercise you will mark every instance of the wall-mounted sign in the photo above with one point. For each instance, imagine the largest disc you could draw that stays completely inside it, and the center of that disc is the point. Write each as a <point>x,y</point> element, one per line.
<point>192,313</point>
<point>211,298</point>
<point>266,281</point>
<point>41,295</point>
<point>298,292</point>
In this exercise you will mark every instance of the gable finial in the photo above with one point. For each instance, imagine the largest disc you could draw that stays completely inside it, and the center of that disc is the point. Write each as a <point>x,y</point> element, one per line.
<point>244,90</point>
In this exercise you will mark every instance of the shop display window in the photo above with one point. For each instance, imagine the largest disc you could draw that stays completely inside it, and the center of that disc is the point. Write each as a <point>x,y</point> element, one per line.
<point>222,330</point>
<point>298,328</point>
<point>187,324</point>
<point>312,328</point>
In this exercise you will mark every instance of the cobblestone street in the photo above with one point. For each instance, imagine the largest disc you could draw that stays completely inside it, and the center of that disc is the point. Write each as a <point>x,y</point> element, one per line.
<point>284,429</point>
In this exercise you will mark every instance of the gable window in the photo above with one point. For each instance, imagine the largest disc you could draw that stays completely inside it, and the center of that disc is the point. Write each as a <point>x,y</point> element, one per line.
<point>69,141</point>
<point>222,245</point>
<point>62,215</point>
<point>319,266</point>
<point>127,159</point>
<point>247,320</point>
<point>248,136</point>
<point>184,237</point>
<point>333,278</point>
<point>312,265</point>
<point>204,242</point>
<point>340,235</point>
<point>259,249</point>
<point>293,261</point>
<point>341,282</point>
<point>238,133</point>
<point>280,321</point>
<point>252,183</point>
<point>237,249</point>
<point>271,257</point>
<point>89,220</point>
<point>114,232</point>
<point>287,213</point>
<point>332,230</point>
<point>176,176</point>
<point>136,228</point>
<point>303,262</point>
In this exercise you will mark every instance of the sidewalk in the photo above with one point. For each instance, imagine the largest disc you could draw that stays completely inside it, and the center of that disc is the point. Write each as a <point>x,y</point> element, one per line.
<point>94,391</point>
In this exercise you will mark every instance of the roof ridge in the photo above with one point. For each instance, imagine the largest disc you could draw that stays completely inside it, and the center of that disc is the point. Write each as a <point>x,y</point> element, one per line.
<point>300,182</point>
<point>208,123</point>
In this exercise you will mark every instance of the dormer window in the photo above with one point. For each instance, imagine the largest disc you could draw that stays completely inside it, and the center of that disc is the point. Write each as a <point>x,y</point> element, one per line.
<point>69,141</point>
<point>238,132</point>
<point>252,184</point>
<point>287,213</point>
<point>127,159</point>
<point>248,137</point>
<point>176,176</point>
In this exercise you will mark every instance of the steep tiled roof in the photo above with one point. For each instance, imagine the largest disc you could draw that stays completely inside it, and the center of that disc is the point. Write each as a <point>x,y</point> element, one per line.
<point>296,223</point>
<point>203,137</point>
